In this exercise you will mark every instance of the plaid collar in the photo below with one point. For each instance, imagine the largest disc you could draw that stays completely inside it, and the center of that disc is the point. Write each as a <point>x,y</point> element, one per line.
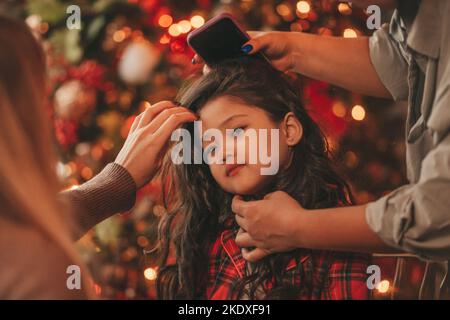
<point>233,251</point>
<point>346,276</point>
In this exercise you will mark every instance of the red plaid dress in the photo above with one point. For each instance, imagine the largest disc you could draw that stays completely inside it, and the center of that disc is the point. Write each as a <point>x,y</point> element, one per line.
<point>346,276</point>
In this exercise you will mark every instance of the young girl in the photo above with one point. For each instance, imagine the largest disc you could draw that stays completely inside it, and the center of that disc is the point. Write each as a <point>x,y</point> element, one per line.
<point>243,94</point>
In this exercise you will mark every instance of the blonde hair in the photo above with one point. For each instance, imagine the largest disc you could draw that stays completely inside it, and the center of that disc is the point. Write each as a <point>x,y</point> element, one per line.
<point>28,181</point>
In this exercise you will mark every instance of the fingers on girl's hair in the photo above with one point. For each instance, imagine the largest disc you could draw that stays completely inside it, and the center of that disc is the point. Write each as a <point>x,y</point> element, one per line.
<point>172,122</point>
<point>136,123</point>
<point>236,205</point>
<point>242,222</point>
<point>269,196</point>
<point>281,64</point>
<point>151,112</point>
<point>244,240</point>
<point>162,117</point>
<point>253,255</point>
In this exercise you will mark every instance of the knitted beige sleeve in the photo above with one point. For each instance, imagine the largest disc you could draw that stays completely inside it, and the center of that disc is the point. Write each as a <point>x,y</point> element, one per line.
<point>112,191</point>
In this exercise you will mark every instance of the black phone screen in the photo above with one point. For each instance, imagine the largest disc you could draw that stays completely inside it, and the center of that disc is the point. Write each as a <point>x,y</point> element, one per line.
<point>219,42</point>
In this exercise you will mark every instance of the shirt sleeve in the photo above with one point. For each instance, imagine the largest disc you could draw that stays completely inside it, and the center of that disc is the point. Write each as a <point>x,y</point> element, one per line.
<point>416,217</point>
<point>389,63</point>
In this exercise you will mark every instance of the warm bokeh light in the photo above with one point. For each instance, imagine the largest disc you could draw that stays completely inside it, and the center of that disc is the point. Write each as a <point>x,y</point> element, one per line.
<point>150,274</point>
<point>165,39</point>
<point>119,36</point>
<point>73,187</point>
<point>184,26</point>
<point>303,6</point>
<point>344,9</point>
<point>350,33</point>
<point>174,30</point>
<point>197,21</point>
<point>339,110</point>
<point>87,173</point>
<point>383,286</point>
<point>43,28</point>
<point>165,21</point>
<point>107,144</point>
<point>296,27</point>
<point>142,241</point>
<point>350,159</point>
<point>283,10</point>
<point>358,112</point>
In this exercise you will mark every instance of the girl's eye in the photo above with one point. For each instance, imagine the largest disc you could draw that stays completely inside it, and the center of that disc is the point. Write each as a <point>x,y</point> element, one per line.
<point>238,131</point>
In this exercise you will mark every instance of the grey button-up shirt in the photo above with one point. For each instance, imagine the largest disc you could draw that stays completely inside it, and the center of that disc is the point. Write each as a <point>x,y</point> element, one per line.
<point>412,59</point>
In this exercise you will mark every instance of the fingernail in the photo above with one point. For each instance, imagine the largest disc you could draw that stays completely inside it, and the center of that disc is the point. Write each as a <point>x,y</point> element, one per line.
<point>247,48</point>
<point>193,60</point>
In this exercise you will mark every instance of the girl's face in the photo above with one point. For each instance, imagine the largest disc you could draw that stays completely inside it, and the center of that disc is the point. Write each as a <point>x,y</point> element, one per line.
<point>239,118</point>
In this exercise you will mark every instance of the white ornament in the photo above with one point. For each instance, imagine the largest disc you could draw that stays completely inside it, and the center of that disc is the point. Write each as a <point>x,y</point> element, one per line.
<point>73,99</point>
<point>138,61</point>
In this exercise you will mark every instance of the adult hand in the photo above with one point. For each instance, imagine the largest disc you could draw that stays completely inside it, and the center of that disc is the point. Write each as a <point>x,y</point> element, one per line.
<point>275,45</point>
<point>270,225</point>
<point>147,140</point>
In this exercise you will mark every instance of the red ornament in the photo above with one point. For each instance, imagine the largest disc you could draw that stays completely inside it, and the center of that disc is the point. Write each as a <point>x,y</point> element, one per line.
<point>90,73</point>
<point>66,132</point>
<point>319,104</point>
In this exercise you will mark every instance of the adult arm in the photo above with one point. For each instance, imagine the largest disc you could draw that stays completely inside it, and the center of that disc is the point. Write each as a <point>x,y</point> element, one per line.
<point>114,189</point>
<point>344,62</point>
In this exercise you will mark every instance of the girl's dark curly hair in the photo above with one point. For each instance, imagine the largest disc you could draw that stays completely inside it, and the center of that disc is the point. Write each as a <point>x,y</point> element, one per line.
<point>200,208</point>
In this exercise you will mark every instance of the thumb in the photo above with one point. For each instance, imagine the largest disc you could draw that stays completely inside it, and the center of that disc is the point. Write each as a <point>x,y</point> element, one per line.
<point>236,204</point>
<point>268,196</point>
<point>254,255</point>
<point>256,43</point>
<point>283,64</point>
<point>255,34</point>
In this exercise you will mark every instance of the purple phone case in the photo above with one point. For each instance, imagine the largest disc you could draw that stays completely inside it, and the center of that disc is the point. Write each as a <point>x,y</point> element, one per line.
<point>213,21</point>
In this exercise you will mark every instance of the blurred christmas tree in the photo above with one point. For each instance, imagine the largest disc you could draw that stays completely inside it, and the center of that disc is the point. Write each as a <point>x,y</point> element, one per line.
<point>129,54</point>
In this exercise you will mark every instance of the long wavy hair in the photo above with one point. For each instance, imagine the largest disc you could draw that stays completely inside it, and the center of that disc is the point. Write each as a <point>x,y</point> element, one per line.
<point>28,181</point>
<point>200,209</point>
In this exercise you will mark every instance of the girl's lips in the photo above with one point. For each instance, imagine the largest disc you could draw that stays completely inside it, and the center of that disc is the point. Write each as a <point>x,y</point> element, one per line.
<point>233,169</point>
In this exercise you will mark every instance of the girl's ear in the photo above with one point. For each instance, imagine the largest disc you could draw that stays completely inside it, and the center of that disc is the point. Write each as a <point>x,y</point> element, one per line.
<point>293,129</point>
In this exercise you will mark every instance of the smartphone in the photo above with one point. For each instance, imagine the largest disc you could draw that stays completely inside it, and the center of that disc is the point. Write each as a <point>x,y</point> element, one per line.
<point>219,39</point>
